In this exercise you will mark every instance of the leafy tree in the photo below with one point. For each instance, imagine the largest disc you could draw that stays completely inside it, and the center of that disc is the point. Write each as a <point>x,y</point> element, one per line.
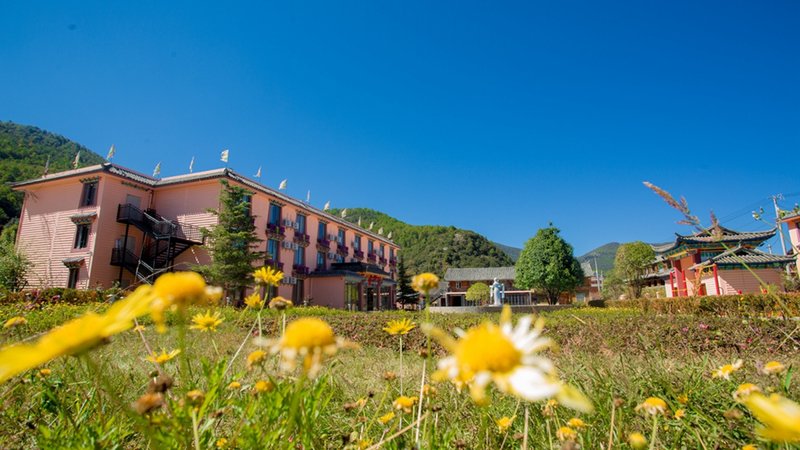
<point>548,265</point>
<point>478,292</point>
<point>631,265</point>
<point>613,286</point>
<point>232,242</point>
<point>14,265</point>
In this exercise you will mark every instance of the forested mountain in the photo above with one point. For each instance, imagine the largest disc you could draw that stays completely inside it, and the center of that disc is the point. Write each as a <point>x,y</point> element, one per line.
<point>432,248</point>
<point>604,255</point>
<point>512,252</point>
<point>23,154</point>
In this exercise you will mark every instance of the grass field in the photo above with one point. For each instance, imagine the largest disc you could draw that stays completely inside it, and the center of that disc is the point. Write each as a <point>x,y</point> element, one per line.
<point>617,357</point>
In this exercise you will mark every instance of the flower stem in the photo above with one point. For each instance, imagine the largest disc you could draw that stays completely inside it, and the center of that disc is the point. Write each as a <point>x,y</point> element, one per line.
<point>653,434</point>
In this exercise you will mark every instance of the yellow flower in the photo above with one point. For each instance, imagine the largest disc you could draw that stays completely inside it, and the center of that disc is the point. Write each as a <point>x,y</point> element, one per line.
<point>566,434</point>
<point>311,339</point>
<point>384,419</point>
<point>222,443</point>
<point>395,327</point>
<point>780,417</point>
<point>15,322</point>
<point>263,386</point>
<point>549,407</point>
<point>163,357</point>
<point>507,356</point>
<point>637,440</point>
<point>254,301</point>
<point>683,399</point>
<point>576,423</point>
<point>726,370</point>
<point>196,397</point>
<point>268,276</point>
<point>428,390</point>
<point>280,303</point>
<point>364,444</point>
<point>45,372</point>
<point>653,406</point>
<point>424,282</point>
<point>138,328</point>
<point>749,447</point>
<point>206,322</point>
<point>148,402</point>
<point>504,423</point>
<point>744,390</point>
<point>175,291</point>
<point>255,357</point>
<point>680,413</point>
<point>405,403</point>
<point>772,368</point>
<point>75,336</point>
<point>234,385</point>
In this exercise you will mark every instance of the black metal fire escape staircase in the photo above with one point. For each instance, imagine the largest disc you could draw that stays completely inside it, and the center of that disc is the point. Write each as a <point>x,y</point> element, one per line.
<point>164,240</point>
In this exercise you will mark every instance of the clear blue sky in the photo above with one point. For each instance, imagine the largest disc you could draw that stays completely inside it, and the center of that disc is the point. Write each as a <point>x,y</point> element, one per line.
<point>493,117</point>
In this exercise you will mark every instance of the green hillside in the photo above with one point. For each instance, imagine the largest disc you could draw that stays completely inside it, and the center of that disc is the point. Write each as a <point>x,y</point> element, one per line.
<point>23,153</point>
<point>604,254</point>
<point>431,248</point>
<point>512,252</point>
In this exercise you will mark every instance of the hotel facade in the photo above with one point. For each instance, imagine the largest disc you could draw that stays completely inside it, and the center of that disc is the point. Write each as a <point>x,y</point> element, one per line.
<point>106,224</point>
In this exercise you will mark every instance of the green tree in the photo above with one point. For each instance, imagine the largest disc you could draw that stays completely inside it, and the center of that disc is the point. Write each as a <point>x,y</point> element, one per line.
<point>14,265</point>
<point>548,265</point>
<point>478,292</point>
<point>631,264</point>
<point>404,291</point>
<point>613,286</point>
<point>232,242</point>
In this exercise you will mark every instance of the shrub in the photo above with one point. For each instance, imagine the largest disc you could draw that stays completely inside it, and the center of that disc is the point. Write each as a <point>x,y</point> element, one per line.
<point>745,305</point>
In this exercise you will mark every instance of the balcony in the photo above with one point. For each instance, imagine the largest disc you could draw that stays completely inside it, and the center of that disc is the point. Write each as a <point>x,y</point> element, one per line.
<point>301,239</point>
<point>372,257</point>
<point>274,264</point>
<point>342,250</point>
<point>276,231</point>
<point>299,270</point>
<point>382,261</point>
<point>323,245</point>
<point>392,261</point>
<point>358,254</point>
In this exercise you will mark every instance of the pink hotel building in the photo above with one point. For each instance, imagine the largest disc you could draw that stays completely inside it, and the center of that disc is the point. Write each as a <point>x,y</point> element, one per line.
<point>98,225</point>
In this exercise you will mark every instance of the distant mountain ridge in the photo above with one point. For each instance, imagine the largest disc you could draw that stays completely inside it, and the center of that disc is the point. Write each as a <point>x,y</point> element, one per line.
<point>603,255</point>
<point>24,151</point>
<point>512,252</point>
<point>432,248</point>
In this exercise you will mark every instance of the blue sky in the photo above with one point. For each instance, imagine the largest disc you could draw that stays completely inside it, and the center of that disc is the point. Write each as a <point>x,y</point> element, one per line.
<point>498,118</point>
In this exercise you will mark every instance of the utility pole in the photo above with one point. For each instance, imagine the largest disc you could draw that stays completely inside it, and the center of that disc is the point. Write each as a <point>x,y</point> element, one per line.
<point>778,220</point>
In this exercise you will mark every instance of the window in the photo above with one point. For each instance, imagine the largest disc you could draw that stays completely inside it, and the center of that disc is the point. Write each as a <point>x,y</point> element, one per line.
<point>301,223</point>
<point>391,253</point>
<point>297,293</point>
<point>370,247</point>
<point>273,250</point>
<point>248,199</point>
<point>274,214</point>
<point>320,260</point>
<point>341,236</point>
<point>300,257</point>
<point>72,278</point>
<point>82,236</point>
<point>88,197</point>
<point>458,285</point>
<point>339,258</point>
<point>322,229</point>
<point>382,251</point>
<point>357,243</point>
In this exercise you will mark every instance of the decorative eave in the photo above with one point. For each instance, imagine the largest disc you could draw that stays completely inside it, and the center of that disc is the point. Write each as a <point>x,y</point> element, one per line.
<point>73,262</point>
<point>83,218</point>
<point>708,240</point>
<point>739,257</point>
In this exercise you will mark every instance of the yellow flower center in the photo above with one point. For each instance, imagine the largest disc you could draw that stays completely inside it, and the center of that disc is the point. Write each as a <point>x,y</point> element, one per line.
<point>308,332</point>
<point>486,348</point>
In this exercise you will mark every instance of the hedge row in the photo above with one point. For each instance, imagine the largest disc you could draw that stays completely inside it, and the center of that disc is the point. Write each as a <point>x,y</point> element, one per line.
<point>41,297</point>
<point>745,305</point>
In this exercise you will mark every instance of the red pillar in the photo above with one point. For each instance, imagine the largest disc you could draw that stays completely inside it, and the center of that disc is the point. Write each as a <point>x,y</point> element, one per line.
<point>716,278</point>
<point>671,283</point>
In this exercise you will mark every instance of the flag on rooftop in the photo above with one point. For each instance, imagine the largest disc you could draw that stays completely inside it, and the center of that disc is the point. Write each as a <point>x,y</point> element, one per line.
<point>157,170</point>
<point>224,156</point>
<point>308,196</point>
<point>389,236</point>
<point>344,213</point>
<point>380,231</point>
<point>327,206</point>
<point>258,174</point>
<point>359,221</point>
<point>191,165</point>
<point>371,224</point>
<point>77,160</point>
<point>111,152</point>
<point>46,166</point>
<point>282,186</point>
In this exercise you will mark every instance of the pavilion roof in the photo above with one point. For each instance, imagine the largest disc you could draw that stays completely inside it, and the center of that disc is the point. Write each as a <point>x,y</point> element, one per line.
<point>790,215</point>
<point>721,235</point>
<point>739,256</point>
<point>480,273</point>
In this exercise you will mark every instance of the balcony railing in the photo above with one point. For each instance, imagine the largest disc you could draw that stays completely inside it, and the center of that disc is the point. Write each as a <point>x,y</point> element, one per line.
<point>342,250</point>
<point>300,270</point>
<point>159,226</point>
<point>301,238</point>
<point>274,230</point>
<point>358,254</point>
<point>372,257</point>
<point>274,264</point>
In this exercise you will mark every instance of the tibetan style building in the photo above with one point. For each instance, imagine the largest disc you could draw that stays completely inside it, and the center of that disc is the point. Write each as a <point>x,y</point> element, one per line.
<point>792,221</point>
<point>724,262</point>
<point>105,224</point>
